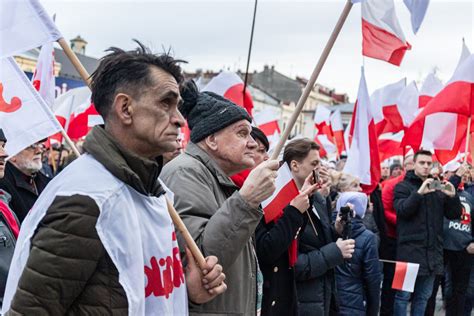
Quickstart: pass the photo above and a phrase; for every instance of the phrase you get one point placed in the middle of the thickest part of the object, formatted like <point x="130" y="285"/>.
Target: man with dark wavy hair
<point x="99" y="240"/>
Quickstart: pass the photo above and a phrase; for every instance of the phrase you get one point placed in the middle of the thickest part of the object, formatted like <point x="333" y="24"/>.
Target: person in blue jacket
<point x="358" y="279"/>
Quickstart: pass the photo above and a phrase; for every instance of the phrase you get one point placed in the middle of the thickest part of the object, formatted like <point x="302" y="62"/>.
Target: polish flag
<point x="390" y="145"/>
<point x="229" y="85"/>
<point x="267" y="121"/>
<point x="383" y="37"/>
<point x="322" y="121"/>
<point x="24" y="25"/>
<point x="384" y="108"/>
<point x="338" y="130"/>
<point x="442" y="123"/>
<point x="326" y="147"/>
<point x="76" y="113"/>
<point x="43" y="78"/>
<point x="417" y="10"/>
<point x="286" y="190"/>
<point x="431" y="87"/>
<point x="363" y="157"/>
<point x="407" y="104"/>
<point x="24" y="116"/>
<point x="405" y="276"/>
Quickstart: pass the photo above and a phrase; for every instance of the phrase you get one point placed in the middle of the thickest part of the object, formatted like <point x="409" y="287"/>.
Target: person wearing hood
<point x="358" y="279"/>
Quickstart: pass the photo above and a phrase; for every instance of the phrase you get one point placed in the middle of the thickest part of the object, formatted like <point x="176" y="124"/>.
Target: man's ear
<point x="122" y="108"/>
<point x="294" y="165"/>
<point x="211" y="142"/>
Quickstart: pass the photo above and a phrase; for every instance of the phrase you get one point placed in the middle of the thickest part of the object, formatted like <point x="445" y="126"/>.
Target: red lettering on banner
<point x="164" y="274"/>
<point x="14" y="105"/>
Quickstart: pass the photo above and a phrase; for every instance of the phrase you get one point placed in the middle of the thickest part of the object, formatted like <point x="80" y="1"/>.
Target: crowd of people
<point x="93" y="236"/>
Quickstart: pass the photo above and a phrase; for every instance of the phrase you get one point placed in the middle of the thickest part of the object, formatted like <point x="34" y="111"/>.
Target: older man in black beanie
<point x="220" y="217"/>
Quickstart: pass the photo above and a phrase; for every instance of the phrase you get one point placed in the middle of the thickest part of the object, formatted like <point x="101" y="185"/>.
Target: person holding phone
<point x="421" y="207"/>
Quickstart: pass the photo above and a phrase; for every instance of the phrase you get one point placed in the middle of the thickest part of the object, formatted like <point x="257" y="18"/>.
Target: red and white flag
<point x="363" y="157"/>
<point x="76" y="113"/>
<point x="384" y="108"/>
<point x="229" y="85"/>
<point x="405" y="276"/>
<point x="417" y="10"/>
<point x="24" y="25"/>
<point x="24" y="116"/>
<point x="407" y="104"/>
<point x="431" y="87"/>
<point x="326" y="147"/>
<point x="390" y="145"/>
<point x="286" y="190"/>
<point x="267" y="121"/>
<point x="382" y="35"/>
<point x="322" y="121"/>
<point x="442" y="123"/>
<point x="43" y="78"/>
<point x="338" y="130"/>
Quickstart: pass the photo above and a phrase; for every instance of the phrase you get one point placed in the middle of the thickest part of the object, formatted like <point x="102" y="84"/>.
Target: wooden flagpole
<point x="312" y="80"/>
<point x="177" y="221"/>
<point x="468" y="139"/>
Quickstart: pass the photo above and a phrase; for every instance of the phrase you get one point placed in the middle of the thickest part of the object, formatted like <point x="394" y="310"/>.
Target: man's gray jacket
<point x="221" y="222"/>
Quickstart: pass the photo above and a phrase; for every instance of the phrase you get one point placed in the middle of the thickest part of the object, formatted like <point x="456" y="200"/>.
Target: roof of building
<point x="68" y="70"/>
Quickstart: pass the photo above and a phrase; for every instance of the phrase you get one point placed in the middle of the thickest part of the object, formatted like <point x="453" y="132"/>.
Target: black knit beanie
<point x="207" y="112"/>
<point x="257" y="134"/>
<point x="2" y="136"/>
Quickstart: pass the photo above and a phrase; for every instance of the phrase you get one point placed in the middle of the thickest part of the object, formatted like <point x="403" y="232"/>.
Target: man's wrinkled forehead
<point x="241" y="125"/>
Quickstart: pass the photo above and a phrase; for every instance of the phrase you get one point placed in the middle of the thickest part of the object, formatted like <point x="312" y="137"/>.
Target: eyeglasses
<point x="36" y="146"/>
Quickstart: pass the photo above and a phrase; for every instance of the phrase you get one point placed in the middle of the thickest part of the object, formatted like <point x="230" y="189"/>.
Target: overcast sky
<point x="215" y="35"/>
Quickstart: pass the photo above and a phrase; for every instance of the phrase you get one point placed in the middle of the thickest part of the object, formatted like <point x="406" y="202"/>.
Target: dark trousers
<point x="388" y="250"/>
<point x="458" y="270"/>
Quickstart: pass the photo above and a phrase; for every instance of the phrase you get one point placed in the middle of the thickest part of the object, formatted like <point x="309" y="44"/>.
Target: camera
<point x="438" y="185"/>
<point x="346" y="214"/>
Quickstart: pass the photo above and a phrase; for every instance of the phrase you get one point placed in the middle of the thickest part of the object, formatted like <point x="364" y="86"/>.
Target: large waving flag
<point x="408" y="104"/>
<point x="338" y="131"/>
<point x="384" y="108"/>
<point x="229" y="85"/>
<point x="267" y="121"/>
<point x="24" y="116"/>
<point x="417" y="10"/>
<point x="24" y="25"/>
<point x="390" y="145"/>
<point x="431" y="87"/>
<point x="382" y="35"/>
<point x="322" y="120"/>
<point x="442" y="124"/>
<point x="43" y="78"/>
<point x="76" y="113"/>
<point x="363" y="157"/>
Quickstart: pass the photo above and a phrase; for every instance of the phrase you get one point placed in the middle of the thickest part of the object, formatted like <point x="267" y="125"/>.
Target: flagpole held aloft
<point x="75" y="61"/>
<point x="468" y="138"/>
<point x="312" y="80"/>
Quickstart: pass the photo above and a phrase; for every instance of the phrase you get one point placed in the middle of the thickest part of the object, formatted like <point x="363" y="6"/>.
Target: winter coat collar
<point x="413" y="178"/>
<point x="197" y="152"/>
<point x="138" y="172"/>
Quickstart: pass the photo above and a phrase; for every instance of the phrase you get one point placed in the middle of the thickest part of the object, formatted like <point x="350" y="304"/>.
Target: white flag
<point x="417" y="10"/>
<point x="24" y="24"/>
<point x="43" y="78"/>
<point x="24" y="116"/>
